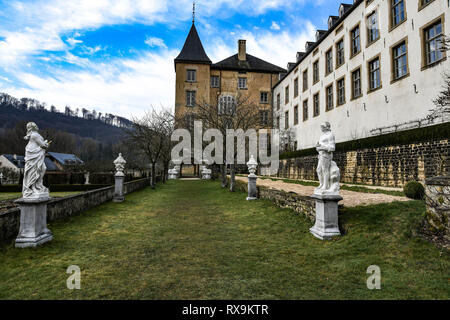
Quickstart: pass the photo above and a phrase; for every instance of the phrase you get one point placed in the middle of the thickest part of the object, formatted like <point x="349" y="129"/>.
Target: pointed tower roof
<point x="193" y="49"/>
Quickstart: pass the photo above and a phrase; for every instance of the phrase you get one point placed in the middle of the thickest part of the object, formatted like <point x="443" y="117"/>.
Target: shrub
<point x="414" y="190"/>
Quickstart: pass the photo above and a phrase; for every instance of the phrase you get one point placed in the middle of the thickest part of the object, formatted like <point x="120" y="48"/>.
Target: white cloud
<point x="125" y="87"/>
<point x="155" y="42"/>
<point x="274" y="26"/>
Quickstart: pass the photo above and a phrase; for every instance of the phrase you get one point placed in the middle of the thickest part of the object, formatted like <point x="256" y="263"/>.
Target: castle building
<point x="198" y="80"/>
<point x="377" y="69"/>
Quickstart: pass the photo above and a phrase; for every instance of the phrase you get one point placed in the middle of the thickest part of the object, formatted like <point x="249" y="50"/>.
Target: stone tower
<point x="192" y="68"/>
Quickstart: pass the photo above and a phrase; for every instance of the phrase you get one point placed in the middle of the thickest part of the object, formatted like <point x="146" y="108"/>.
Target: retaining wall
<point x="67" y="206"/>
<point x="301" y="204"/>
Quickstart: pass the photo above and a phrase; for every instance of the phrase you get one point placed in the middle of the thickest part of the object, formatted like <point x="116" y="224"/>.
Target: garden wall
<point x="383" y="166"/>
<point x="438" y="207"/>
<point x="301" y="204"/>
<point x="67" y="206"/>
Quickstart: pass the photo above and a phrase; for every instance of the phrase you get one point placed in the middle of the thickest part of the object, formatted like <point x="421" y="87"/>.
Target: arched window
<point x="227" y="105"/>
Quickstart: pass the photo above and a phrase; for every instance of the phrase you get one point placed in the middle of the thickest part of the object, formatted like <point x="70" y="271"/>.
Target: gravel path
<point x="351" y="198"/>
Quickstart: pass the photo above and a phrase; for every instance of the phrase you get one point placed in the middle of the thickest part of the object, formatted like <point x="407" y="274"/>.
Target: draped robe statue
<point x="327" y="170"/>
<point x="33" y="187"/>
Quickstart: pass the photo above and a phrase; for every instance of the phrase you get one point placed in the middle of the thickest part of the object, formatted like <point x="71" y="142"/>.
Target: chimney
<point x="242" y="56"/>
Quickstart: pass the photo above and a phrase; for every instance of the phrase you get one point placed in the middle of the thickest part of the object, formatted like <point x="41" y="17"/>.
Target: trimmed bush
<point x="414" y="190"/>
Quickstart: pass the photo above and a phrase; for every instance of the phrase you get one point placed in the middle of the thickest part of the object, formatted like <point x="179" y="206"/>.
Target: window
<point x="189" y="120"/>
<point x="264" y="117"/>
<point x="295" y="115"/>
<point x="374" y="74"/>
<point x="373" y="32"/>
<point x="227" y="105"/>
<point x="400" y="63"/>
<point x="305" y="80"/>
<point x="330" y="98"/>
<point x="305" y="110"/>
<point x="340" y="91"/>
<point x="424" y="3"/>
<point x="356" y="40"/>
<point x="329" y="61"/>
<point x="316" y="72"/>
<point x="397" y="12"/>
<point x="433" y="43"/>
<point x="340" y="58"/>
<point x="190" y="98"/>
<point x="215" y="83"/>
<point x="278" y="122"/>
<point x="286" y="95"/>
<point x="295" y="145"/>
<point x="242" y="83"/>
<point x="356" y="83"/>
<point x="295" y="87"/>
<point x="191" y="75"/>
<point x="316" y="105"/>
<point x="286" y="120"/>
<point x="264" y="97"/>
<point x="278" y="101"/>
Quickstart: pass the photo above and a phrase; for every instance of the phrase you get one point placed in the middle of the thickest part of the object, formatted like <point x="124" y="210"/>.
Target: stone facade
<point x="396" y="102"/>
<point x="385" y="166"/>
<point x="67" y="206"/>
<point x="438" y="205"/>
<point x="300" y="204"/>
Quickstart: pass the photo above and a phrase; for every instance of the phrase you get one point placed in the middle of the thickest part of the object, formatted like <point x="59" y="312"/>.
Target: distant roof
<point x="19" y="162"/>
<point x="64" y="158"/>
<point x="51" y="166"/>
<point x="251" y="64"/>
<point x="193" y="49"/>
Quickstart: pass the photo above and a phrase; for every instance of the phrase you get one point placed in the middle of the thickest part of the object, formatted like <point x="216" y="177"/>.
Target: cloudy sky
<point x="117" y="56"/>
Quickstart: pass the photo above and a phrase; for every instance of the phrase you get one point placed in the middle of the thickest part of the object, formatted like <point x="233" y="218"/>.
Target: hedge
<point x="56" y="187"/>
<point x="436" y="132"/>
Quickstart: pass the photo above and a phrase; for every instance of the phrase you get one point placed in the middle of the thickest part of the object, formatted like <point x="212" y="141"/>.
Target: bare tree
<point x="228" y="112"/>
<point x="152" y="134"/>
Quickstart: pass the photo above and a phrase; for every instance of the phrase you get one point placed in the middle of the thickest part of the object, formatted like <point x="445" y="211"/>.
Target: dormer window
<point x="341" y="11"/>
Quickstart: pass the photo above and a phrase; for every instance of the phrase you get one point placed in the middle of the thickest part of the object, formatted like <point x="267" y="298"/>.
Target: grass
<point x="194" y="240"/>
<point x="16" y="195"/>
<point x="361" y="188"/>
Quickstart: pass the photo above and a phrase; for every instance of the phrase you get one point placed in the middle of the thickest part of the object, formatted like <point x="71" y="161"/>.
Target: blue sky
<point x="117" y="55"/>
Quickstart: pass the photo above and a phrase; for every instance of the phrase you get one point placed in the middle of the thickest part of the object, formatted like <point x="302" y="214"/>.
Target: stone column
<point x="252" y="191"/>
<point x="326" y="225"/>
<point x="33" y="223"/>
<point x="119" y="179"/>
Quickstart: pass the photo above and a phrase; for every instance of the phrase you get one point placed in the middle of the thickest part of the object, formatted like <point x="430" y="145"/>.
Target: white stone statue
<point x="327" y="170"/>
<point x="35" y="168"/>
<point x="120" y="165"/>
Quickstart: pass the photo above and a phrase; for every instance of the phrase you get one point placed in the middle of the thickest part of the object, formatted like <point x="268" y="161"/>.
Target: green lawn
<point x="194" y="240"/>
<point x="16" y="195"/>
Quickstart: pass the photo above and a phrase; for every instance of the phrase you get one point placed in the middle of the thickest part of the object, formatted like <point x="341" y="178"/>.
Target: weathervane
<point x="193" y="12"/>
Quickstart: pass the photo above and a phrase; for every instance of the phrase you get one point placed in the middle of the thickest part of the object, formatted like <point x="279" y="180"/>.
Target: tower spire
<point x="193" y="12"/>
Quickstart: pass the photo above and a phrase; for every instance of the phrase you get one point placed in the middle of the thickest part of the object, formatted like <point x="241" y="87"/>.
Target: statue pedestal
<point x="252" y="191"/>
<point x="118" y="189"/>
<point x="326" y="225"/>
<point x="33" y="222"/>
